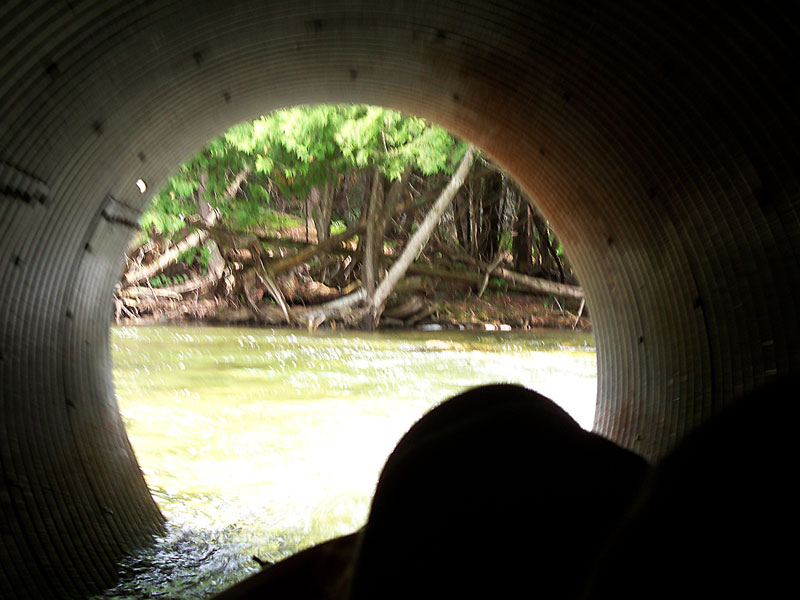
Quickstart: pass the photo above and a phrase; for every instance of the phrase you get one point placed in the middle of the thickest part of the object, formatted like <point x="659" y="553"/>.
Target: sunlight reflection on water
<point x="266" y="441"/>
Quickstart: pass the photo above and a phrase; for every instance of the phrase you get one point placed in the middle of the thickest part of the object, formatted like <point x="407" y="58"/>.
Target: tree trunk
<point x="374" y="237"/>
<point x="474" y="216"/>
<point x="320" y="203"/>
<point x="548" y="257"/>
<point x="461" y="219"/>
<point x="382" y="205"/>
<point x="492" y="193"/>
<point x="523" y="239"/>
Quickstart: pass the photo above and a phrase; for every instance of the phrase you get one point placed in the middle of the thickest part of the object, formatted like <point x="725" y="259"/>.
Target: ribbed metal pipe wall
<point x="660" y="139"/>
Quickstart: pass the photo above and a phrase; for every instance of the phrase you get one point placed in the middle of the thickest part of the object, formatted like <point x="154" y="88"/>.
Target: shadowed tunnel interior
<point x="659" y="138"/>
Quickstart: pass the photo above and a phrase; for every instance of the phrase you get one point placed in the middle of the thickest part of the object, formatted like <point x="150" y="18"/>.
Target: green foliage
<point x="294" y="148"/>
<point x="197" y="257"/>
<point x="275" y="221"/>
<point x="377" y="137"/>
<point x="163" y="280"/>
<point x="286" y="153"/>
<point x="166" y="214"/>
<point x="338" y="226"/>
<point x="506" y="241"/>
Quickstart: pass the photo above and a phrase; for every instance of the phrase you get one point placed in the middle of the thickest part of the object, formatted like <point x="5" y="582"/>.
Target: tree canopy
<point x="289" y="152"/>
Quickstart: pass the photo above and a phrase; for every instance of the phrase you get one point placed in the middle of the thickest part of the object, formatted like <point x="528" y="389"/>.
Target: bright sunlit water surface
<point x="264" y="442"/>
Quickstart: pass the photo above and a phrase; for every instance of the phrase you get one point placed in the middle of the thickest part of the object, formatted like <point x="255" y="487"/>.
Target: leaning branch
<point x="420" y="237"/>
<point x="162" y="262"/>
<point x="537" y="284"/>
<point x="284" y="264"/>
<point x="526" y="283"/>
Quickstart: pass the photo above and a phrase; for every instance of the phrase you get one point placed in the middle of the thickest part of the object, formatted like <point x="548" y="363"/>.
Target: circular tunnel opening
<point x="660" y="141"/>
<point x="261" y="433"/>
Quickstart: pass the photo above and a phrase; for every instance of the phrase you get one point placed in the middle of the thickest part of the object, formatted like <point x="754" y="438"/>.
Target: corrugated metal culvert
<point x="660" y="140"/>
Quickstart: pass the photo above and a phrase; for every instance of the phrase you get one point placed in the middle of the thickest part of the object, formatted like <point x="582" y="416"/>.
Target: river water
<point x="264" y="442"/>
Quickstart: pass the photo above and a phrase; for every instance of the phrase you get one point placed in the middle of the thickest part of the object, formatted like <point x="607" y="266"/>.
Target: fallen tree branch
<point x="580" y="312"/>
<point x="537" y="284"/>
<point x="314" y="315"/>
<point x="147" y="271"/>
<point x="335" y="308"/>
<point x="141" y="291"/>
<point x="523" y="282"/>
<point x="268" y="279"/>
<point x="284" y="264"/>
<point x="495" y="263"/>
<point x="261" y="314"/>
<point x="412" y="305"/>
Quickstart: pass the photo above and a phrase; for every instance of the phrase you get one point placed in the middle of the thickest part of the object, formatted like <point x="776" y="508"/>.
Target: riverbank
<point x="451" y="308"/>
<point x="284" y="277"/>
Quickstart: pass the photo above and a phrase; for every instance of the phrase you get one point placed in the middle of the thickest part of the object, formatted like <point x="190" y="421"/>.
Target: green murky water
<point x="263" y="442"/>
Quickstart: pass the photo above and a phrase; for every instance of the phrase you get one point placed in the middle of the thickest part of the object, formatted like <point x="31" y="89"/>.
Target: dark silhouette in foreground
<point x="718" y="517"/>
<point x="495" y="493"/>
